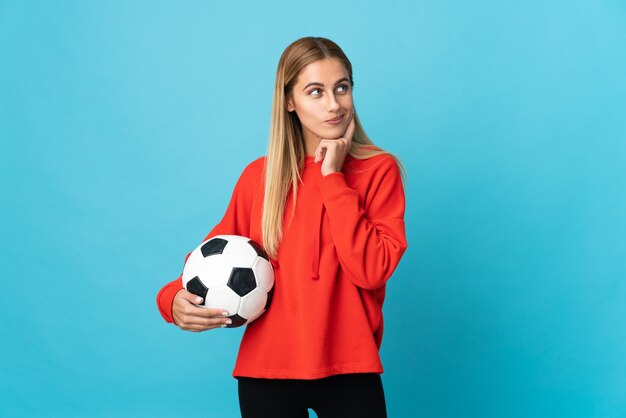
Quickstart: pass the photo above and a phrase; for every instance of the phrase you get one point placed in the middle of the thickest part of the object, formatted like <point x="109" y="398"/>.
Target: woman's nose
<point x="332" y="103"/>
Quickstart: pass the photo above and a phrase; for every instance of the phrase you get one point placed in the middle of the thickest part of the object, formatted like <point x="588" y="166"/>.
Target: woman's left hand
<point x="333" y="151"/>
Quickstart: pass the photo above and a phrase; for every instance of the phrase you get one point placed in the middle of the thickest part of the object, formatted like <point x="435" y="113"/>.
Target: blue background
<point x="125" y="125"/>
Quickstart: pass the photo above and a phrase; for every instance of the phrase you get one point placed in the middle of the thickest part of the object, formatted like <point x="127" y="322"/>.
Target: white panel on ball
<point x="214" y="271"/>
<point x="233" y="238"/>
<point x="252" y="303"/>
<point x="192" y="265"/>
<point x="223" y="298"/>
<point x="240" y="254"/>
<point x="261" y="312"/>
<point x="264" y="274"/>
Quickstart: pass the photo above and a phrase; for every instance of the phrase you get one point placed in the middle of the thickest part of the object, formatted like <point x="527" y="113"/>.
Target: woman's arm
<point x="236" y="221"/>
<point x="370" y="242"/>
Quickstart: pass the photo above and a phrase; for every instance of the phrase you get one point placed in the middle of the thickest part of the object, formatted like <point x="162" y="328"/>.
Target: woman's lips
<point x="335" y="121"/>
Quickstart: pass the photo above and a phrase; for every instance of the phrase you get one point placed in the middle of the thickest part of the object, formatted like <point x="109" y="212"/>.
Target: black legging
<point x="344" y="395"/>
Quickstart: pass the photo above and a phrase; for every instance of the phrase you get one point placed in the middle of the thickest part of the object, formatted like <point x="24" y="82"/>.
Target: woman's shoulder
<point x="250" y="180"/>
<point x="254" y="169"/>
<point x="383" y="161"/>
<point x="251" y="174"/>
<point x="256" y="166"/>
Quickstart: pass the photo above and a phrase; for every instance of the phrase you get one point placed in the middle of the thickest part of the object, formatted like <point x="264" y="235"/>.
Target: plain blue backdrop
<point x="125" y="125"/>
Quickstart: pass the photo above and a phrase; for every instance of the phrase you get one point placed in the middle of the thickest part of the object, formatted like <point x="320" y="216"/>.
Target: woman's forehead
<point x="328" y="71"/>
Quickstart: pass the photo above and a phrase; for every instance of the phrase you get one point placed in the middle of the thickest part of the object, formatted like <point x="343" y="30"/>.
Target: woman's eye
<point x="342" y="86"/>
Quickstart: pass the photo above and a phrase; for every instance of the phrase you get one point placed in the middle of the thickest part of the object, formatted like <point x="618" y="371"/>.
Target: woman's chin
<point x="332" y="132"/>
<point x="329" y="132"/>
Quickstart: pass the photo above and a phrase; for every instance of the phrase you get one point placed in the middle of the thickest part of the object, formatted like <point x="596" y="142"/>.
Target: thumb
<point x="190" y="297"/>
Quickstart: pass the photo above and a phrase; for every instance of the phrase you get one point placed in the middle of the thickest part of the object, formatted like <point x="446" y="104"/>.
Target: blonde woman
<point x="328" y="207"/>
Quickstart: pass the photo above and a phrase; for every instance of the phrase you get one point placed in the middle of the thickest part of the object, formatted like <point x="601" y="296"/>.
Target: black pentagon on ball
<point x="270" y="294"/>
<point x="259" y="250"/>
<point x="237" y="321"/>
<point x="213" y="246"/>
<point x="241" y="280"/>
<point x="196" y="287"/>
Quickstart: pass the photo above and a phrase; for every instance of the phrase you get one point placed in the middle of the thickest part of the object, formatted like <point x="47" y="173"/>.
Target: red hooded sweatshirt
<point x="343" y="243"/>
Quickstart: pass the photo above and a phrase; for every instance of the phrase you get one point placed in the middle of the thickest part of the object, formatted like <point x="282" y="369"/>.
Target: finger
<point x="320" y="153"/>
<point x="205" y="322"/>
<point x="205" y="312"/>
<point x="195" y="300"/>
<point x="200" y="328"/>
<point x="329" y="149"/>
<point x="330" y="145"/>
<point x="190" y="297"/>
<point x="350" y="130"/>
<point x="186" y="307"/>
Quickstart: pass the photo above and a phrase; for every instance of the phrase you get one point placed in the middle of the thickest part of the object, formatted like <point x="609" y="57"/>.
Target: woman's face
<point x="321" y="93"/>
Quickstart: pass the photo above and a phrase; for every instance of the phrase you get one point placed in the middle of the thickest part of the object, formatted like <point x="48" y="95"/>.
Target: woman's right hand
<point x="190" y="317"/>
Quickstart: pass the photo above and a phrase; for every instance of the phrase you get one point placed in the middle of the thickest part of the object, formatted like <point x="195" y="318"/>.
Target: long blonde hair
<point x="285" y="152"/>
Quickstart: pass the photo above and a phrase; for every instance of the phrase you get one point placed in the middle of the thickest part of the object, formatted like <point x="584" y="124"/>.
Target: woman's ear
<point x="289" y="103"/>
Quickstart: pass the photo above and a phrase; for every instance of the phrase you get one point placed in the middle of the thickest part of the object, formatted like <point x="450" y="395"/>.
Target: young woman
<point x="328" y="207"/>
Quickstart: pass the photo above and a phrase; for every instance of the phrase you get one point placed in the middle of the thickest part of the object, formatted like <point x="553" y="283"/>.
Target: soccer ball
<point x="233" y="273"/>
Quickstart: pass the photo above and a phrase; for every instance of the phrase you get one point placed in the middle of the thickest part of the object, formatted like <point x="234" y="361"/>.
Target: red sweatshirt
<point x="345" y="240"/>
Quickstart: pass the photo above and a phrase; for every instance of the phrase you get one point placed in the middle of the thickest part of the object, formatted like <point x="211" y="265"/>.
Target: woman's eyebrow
<point x="316" y="83"/>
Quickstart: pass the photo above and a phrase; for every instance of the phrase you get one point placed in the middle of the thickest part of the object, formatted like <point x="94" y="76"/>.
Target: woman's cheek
<point x="314" y="124"/>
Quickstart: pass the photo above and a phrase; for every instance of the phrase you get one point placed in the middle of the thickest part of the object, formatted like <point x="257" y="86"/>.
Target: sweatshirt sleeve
<point x="369" y="240"/>
<point x="236" y="221"/>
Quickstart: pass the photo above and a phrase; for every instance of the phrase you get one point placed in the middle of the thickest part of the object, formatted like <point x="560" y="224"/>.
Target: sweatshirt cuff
<point x="166" y="300"/>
